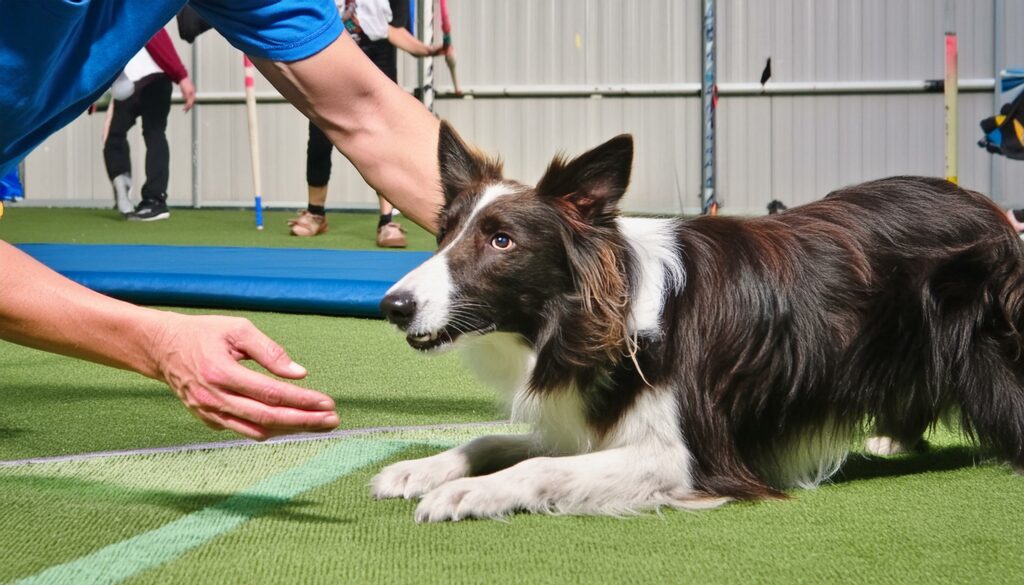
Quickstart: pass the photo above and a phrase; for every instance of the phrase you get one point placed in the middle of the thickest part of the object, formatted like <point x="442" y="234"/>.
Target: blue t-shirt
<point x="58" y="56"/>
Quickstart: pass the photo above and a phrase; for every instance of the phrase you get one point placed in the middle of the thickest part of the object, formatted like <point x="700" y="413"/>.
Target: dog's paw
<point x="411" y="479"/>
<point x="884" y="446"/>
<point x="472" y="497"/>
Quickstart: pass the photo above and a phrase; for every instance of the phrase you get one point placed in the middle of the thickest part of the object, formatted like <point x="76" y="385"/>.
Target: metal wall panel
<point x="794" y="148"/>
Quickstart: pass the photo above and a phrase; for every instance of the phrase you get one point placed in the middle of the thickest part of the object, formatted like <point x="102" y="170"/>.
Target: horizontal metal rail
<point x="786" y="88"/>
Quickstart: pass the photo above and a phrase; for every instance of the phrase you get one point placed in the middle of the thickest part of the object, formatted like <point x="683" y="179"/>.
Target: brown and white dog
<point x="685" y="363"/>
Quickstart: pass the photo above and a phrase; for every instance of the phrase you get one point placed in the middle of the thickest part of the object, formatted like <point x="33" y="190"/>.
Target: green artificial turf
<point x="301" y="512"/>
<point x="195" y="227"/>
<point x="255" y="515"/>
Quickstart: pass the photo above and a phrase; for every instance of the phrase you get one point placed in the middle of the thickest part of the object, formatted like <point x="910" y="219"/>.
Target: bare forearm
<point x="42" y="309"/>
<point x="388" y="135"/>
<point x="404" y="40"/>
<point x="197" y="356"/>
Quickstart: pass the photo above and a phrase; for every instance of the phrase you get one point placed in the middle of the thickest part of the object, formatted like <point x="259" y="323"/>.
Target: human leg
<point x="155" y="106"/>
<point x="117" y="153"/>
<point x="312" y="221"/>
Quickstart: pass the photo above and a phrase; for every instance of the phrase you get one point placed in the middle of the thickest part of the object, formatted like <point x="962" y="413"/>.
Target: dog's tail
<point x="976" y="300"/>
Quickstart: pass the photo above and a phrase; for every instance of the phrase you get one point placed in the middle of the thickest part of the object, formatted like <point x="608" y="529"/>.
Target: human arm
<point x="403" y="39"/>
<point x="161" y="48"/>
<point x="387" y="134"/>
<point x="197" y="356"/>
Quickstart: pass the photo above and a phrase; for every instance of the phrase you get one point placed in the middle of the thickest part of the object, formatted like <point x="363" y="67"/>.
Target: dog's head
<point x="512" y="257"/>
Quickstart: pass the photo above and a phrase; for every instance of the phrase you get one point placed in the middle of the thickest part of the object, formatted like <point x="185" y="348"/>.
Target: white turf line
<point x="298" y="438"/>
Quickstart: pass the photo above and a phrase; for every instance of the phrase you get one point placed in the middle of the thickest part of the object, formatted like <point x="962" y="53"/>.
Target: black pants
<point x="151" y="101"/>
<point x="318" y="157"/>
<point x="318" y="149"/>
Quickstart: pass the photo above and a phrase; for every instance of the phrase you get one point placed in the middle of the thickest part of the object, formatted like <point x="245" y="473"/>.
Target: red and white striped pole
<point x="951" y="86"/>
<point x="254" y="138"/>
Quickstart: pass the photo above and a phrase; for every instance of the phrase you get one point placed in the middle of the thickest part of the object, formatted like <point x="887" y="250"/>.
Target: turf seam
<point x="298" y="438"/>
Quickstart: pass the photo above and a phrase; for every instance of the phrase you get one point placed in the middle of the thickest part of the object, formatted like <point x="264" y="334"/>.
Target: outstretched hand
<point x="197" y="356"/>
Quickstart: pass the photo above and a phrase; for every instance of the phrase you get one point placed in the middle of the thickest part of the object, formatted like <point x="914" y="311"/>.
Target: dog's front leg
<point x="413" y="478"/>
<point x="616" y="481"/>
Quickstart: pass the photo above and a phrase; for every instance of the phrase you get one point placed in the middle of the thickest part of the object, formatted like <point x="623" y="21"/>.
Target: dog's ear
<point x="463" y="169"/>
<point x="590" y="186"/>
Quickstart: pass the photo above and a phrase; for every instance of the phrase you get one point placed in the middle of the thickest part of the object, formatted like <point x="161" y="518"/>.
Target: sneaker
<point x="390" y="235"/>
<point x="307" y="224"/>
<point x="122" y="188"/>
<point x="150" y="210"/>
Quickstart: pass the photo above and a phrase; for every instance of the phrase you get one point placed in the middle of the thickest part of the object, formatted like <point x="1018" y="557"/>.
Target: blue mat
<point x="326" y="282"/>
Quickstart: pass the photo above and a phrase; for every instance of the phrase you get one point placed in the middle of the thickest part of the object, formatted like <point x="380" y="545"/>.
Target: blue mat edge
<point x="335" y="297"/>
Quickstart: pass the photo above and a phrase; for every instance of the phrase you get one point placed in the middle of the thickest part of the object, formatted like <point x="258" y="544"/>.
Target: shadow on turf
<point x="863" y="467"/>
<point x="70" y="490"/>
<point x="29" y="393"/>
<point x="10" y="433"/>
<point x="465" y="408"/>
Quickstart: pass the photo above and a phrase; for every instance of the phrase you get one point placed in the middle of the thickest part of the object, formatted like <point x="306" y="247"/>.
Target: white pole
<point x="254" y="138"/>
<point x="196" y="198"/>
<point x="425" y="68"/>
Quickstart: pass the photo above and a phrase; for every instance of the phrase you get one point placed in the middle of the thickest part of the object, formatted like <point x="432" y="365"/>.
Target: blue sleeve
<point x="279" y="30"/>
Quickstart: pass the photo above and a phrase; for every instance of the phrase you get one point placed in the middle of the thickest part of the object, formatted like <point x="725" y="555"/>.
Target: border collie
<point x="686" y="363"/>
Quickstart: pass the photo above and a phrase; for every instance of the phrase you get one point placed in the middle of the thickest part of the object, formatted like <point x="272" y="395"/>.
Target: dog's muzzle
<point x="399" y="308"/>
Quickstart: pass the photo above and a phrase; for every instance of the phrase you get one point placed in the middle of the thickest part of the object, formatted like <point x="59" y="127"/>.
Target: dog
<point x="688" y="362"/>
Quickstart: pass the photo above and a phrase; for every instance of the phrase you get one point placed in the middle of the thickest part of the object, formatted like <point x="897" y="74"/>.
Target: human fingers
<point x="241" y="380"/>
<point x="276" y="419"/>
<point x="265" y="351"/>
<point x="222" y="421"/>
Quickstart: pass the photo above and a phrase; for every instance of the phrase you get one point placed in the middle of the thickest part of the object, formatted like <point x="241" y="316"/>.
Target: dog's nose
<point x="399" y="308"/>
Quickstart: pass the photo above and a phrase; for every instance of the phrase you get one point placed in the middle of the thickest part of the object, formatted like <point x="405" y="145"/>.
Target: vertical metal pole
<point x="952" y="79"/>
<point x="196" y="200"/>
<point x="998" y="41"/>
<point x="709" y="99"/>
<point x="425" y="67"/>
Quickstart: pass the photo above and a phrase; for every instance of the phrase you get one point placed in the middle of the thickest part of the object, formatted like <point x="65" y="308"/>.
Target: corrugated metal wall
<point x="793" y="148"/>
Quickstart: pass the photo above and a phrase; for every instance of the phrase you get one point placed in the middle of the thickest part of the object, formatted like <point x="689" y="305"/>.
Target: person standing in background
<point x="144" y="90"/>
<point x="379" y="28"/>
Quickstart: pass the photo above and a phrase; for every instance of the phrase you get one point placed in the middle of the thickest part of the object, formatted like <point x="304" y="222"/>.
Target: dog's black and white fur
<point x="685" y="363"/>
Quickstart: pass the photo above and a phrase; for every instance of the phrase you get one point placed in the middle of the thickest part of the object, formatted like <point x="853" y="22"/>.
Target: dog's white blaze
<point x="431" y="282"/>
<point x="431" y="286"/>
<point x="654" y="244"/>
<point x="491" y="194"/>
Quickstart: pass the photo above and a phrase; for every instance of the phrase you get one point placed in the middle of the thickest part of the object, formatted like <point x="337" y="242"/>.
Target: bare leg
<point x="388" y="135"/>
<point x="318" y="195"/>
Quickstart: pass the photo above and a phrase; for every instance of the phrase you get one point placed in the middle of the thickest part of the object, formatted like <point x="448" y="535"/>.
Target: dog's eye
<point x="502" y="242"/>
